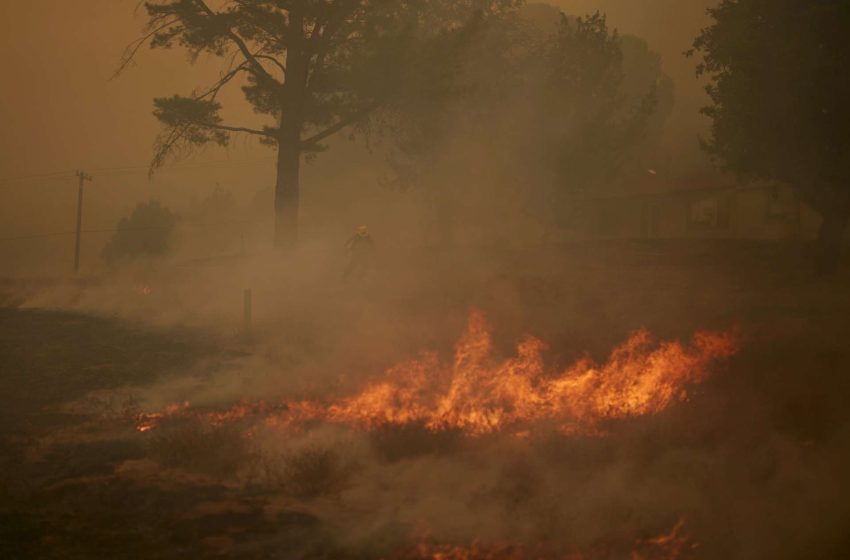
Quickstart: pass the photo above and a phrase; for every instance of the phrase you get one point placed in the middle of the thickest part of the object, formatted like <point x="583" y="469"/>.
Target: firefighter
<point x="359" y="249"/>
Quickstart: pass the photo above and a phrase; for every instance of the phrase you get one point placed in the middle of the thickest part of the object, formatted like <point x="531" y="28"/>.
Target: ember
<point x="147" y="421"/>
<point x="675" y="545"/>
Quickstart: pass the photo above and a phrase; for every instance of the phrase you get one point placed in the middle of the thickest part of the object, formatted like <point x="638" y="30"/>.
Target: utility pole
<point x="83" y="178"/>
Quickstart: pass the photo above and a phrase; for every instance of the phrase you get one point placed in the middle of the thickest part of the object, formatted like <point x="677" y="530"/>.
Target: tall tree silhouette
<point x="312" y="67"/>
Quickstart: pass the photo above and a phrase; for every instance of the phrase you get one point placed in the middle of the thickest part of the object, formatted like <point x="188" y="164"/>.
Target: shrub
<point x="147" y="231"/>
<point x="189" y="444"/>
<point x="309" y="472"/>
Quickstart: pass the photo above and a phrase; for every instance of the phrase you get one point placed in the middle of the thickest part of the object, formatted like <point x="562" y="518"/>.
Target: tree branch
<point x="237" y="40"/>
<point x="267" y="133"/>
<point x="130" y="51"/>
<point x="310" y="143"/>
<point x="163" y="147"/>
<point x="171" y="139"/>
<point x="319" y="42"/>
<point x="214" y="89"/>
<point x="273" y="60"/>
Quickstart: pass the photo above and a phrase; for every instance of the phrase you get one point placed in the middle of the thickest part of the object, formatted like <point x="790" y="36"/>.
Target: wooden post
<point x="83" y="178"/>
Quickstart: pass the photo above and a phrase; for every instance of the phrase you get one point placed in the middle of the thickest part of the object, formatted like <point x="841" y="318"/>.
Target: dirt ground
<point x="756" y="461"/>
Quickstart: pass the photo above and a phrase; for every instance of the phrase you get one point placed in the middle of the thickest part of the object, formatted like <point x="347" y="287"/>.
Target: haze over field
<point x="424" y="280"/>
<point x="67" y="113"/>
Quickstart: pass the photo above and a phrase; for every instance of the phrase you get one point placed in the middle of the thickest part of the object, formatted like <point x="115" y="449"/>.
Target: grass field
<point x="756" y="460"/>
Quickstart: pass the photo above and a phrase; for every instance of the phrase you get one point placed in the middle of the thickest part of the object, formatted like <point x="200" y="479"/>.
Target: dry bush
<point x="397" y="442"/>
<point x="307" y="472"/>
<point x="189" y="444"/>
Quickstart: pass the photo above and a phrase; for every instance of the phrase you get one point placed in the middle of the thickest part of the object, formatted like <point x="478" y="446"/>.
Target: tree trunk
<point x="287" y="196"/>
<point x="830" y="241"/>
<point x="288" y="190"/>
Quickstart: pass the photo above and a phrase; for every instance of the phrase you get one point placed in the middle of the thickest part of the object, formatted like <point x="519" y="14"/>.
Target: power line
<point x="55" y="175"/>
<point x="113" y="230"/>
<point x="194" y="165"/>
<point x="132" y="169"/>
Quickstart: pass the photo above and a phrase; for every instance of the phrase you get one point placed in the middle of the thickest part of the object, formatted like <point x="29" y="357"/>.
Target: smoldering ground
<point x="753" y="461"/>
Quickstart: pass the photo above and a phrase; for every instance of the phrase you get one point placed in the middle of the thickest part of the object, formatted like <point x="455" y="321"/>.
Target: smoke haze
<point x="170" y="379"/>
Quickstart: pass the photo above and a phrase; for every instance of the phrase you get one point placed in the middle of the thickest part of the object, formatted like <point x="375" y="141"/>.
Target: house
<point x="705" y="207"/>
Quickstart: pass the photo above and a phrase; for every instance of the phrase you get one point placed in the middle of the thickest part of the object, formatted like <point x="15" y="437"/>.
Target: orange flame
<point x="150" y="420"/>
<point x="147" y="421"/>
<point x="479" y="395"/>
<point x="675" y="545"/>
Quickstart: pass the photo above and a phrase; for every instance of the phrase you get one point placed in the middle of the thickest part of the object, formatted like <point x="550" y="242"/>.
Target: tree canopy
<point x="566" y="100"/>
<point x="146" y="232"/>
<point x="562" y="105"/>
<point x="779" y="84"/>
<point x="310" y="67"/>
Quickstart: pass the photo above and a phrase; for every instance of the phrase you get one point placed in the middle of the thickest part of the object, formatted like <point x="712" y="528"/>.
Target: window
<point x="705" y="213"/>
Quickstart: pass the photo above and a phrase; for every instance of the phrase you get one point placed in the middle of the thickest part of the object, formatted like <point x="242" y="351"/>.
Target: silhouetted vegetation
<point x="567" y="103"/>
<point x="312" y="68"/>
<point x="780" y="84"/>
<point x="146" y="232"/>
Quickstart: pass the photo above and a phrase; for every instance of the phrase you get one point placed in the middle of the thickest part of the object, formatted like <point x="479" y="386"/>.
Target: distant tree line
<point x="564" y="100"/>
<point x="559" y="105"/>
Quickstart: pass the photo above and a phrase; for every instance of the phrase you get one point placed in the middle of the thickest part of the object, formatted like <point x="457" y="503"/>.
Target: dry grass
<point x="309" y="472"/>
<point x="188" y="444"/>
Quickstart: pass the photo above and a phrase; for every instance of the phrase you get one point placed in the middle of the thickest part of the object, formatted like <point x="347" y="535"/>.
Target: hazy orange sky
<point x="62" y="111"/>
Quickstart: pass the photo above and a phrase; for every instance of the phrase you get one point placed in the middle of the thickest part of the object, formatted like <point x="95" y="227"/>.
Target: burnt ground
<point x="772" y="432"/>
<point x="65" y="497"/>
<point x="64" y="504"/>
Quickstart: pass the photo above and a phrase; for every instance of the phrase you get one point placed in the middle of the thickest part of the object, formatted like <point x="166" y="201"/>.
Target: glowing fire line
<point x="478" y="395"/>
<point x="677" y="544"/>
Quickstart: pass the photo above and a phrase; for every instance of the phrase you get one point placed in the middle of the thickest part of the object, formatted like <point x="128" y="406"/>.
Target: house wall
<point x="762" y="212"/>
<point x="766" y="213"/>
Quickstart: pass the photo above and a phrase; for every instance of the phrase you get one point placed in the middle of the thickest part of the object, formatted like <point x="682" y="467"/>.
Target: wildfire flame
<point x="675" y="545"/>
<point x="478" y="394"/>
<point x="147" y="421"/>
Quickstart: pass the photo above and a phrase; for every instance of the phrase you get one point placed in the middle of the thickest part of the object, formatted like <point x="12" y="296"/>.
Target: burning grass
<point x="745" y="462"/>
<point x="477" y="394"/>
<point x="311" y="471"/>
<point x="675" y="544"/>
<point x="453" y="418"/>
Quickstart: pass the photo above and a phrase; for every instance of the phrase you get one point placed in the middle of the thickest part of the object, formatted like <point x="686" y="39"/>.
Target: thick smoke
<point x="753" y="461"/>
